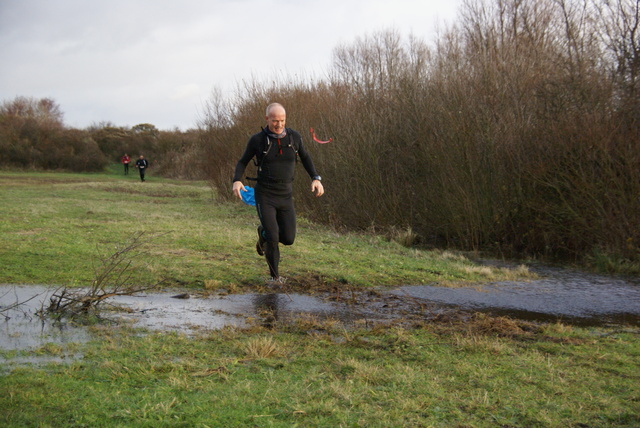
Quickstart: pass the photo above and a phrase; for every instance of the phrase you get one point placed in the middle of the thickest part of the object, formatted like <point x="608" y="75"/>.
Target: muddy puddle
<point x="21" y="327"/>
<point x="559" y="295"/>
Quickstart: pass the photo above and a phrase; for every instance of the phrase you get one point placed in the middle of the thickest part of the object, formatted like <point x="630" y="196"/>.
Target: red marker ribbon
<point x="313" y="135"/>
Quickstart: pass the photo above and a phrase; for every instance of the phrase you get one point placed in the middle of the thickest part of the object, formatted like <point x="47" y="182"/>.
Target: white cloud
<point x="134" y="61"/>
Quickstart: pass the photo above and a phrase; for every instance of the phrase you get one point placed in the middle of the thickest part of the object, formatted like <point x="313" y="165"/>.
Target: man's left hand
<point x="317" y="188"/>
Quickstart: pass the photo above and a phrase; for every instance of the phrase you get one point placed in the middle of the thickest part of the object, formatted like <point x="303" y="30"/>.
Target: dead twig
<point x="112" y="278"/>
<point x="13" y="306"/>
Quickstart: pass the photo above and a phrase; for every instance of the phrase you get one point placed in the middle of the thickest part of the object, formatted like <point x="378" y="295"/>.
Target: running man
<point x="142" y="164"/>
<point x="276" y="149"/>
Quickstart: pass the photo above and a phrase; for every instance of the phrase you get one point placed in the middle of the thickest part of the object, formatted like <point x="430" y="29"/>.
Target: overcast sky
<point x="157" y="61"/>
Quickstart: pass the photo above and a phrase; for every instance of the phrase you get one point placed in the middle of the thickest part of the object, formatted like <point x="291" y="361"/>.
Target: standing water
<point x="560" y="295"/>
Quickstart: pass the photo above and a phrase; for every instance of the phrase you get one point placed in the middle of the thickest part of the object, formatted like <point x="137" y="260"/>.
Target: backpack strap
<point x="258" y="160"/>
<point x="294" y="143"/>
<point x="266" y="146"/>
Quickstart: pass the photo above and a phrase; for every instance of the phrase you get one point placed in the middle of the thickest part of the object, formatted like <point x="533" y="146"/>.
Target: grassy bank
<point x="474" y="371"/>
<point x="55" y="228"/>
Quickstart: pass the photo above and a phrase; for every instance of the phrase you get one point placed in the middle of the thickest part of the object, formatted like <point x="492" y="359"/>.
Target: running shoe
<point x="281" y="280"/>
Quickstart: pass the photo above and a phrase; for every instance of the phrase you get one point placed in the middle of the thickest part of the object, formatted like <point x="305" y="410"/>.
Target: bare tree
<point x="620" y="32"/>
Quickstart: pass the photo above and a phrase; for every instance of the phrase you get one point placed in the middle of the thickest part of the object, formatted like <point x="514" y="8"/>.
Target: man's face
<point x="276" y="119"/>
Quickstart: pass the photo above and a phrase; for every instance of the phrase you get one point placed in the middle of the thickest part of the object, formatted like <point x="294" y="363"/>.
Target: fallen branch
<point x="112" y="279"/>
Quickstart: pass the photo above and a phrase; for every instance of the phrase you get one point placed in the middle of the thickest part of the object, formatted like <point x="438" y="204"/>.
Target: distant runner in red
<point x="125" y="161"/>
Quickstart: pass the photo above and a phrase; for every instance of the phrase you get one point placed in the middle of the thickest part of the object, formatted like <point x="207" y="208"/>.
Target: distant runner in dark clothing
<point x="142" y="164"/>
<point x="125" y="161"/>
<point x="275" y="149"/>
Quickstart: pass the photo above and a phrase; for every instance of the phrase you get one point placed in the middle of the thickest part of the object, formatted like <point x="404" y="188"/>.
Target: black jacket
<point x="276" y="159"/>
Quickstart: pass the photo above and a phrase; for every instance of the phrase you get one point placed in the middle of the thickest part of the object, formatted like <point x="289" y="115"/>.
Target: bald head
<point x="276" y="118"/>
<point x="274" y="106"/>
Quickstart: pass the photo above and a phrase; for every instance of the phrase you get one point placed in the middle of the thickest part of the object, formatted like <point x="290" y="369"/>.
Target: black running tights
<point x="278" y="218"/>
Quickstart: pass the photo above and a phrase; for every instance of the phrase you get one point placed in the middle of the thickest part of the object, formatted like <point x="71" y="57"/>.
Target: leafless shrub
<point x="32" y="135"/>
<point x="517" y="130"/>
<point x="112" y="278"/>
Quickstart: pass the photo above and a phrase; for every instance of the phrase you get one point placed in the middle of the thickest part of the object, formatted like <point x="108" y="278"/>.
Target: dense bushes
<point x="171" y="153"/>
<point x="517" y="131"/>
<point x="32" y="135"/>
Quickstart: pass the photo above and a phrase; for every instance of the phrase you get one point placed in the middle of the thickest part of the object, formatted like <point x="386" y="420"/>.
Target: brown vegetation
<point x="517" y="131"/>
<point x="32" y="135"/>
<point x="173" y="153"/>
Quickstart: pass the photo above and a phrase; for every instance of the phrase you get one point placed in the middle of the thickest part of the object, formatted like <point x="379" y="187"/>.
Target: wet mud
<point x="559" y="295"/>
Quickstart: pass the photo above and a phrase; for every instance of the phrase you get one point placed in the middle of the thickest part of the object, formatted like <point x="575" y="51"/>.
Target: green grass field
<point x="55" y="228"/>
<point x="477" y="372"/>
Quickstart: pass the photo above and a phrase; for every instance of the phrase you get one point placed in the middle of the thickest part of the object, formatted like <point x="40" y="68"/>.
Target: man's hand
<point x="317" y="188"/>
<point x="237" y="188"/>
